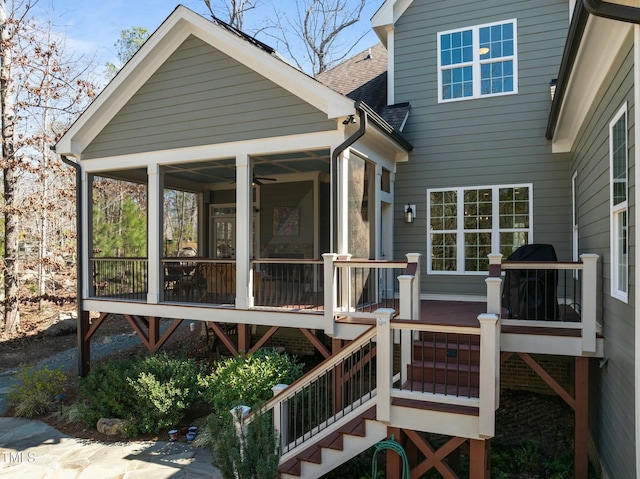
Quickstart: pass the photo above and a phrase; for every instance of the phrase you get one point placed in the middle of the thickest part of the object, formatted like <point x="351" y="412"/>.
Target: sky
<point x="92" y="27"/>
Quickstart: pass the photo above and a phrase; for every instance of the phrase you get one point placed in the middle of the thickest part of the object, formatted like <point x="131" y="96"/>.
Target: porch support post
<point x="244" y="207"/>
<point x="494" y="282"/>
<point x="489" y="373"/>
<point x="479" y="452"/>
<point x="84" y="356"/>
<point x="87" y="238"/>
<point x="394" y="465"/>
<point x="581" y="452"/>
<point x="330" y="292"/>
<point x="244" y="338"/>
<point x="343" y="204"/>
<point x="280" y="415"/>
<point x="154" y="234"/>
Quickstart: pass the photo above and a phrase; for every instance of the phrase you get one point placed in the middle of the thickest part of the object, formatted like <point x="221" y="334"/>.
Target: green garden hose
<point x="391" y="444"/>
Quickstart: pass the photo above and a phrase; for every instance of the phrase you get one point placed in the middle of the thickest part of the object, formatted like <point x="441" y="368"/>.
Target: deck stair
<point x="347" y="440"/>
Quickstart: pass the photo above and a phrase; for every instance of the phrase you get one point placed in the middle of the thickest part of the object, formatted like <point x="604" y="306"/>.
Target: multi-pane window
<point x="468" y="224"/>
<point x="619" y="205"/>
<point x="477" y="61"/>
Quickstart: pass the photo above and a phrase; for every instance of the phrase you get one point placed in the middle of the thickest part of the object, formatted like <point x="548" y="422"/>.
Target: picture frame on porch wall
<point x="286" y="221"/>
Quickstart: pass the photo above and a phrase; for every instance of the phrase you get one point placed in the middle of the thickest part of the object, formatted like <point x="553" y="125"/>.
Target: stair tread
<point x="311" y="454"/>
<point x="449" y="390"/>
<point x="332" y="441"/>
<point x="292" y="467"/>
<point x="435" y="406"/>
<point x="444" y="345"/>
<point x="430" y="364"/>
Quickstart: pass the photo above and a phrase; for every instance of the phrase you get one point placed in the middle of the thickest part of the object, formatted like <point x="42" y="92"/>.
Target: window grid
<point x="477" y="61"/>
<point x="488" y="219"/>
<point x="618" y="152"/>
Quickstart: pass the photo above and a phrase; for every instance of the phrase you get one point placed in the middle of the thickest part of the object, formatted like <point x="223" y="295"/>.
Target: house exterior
<point x="372" y="211"/>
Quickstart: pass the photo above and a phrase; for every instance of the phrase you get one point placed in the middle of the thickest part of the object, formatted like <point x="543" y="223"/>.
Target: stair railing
<point x="327" y="393"/>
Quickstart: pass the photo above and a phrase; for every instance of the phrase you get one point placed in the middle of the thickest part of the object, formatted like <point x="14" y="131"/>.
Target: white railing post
<point x="494" y="283"/>
<point x="345" y="284"/>
<point x="415" y="259"/>
<point x="239" y="414"/>
<point x="280" y="415"/>
<point x="589" y="301"/>
<point x="489" y="373"/>
<point x="330" y="292"/>
<point x="384" y="367"/>
<point x="406" y="312"/>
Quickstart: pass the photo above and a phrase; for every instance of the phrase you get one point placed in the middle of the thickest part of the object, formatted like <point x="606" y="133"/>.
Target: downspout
<point x="334" y="170"/>
<point x="81" y="323"/>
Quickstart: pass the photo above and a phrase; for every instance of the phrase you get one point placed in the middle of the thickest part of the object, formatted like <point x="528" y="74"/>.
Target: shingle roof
<point x="364" y="77"/>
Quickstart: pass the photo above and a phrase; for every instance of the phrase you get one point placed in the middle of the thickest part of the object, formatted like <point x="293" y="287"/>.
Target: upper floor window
<point x="467" y="224"/>
<point x="478" y="61"/>
<point x="619" y="205"/>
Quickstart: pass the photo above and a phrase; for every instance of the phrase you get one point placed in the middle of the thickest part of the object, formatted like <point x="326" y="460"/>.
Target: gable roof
<point x="182" y="23"/>
<point x="363" y="78"/>
<point x="387" y="15"/>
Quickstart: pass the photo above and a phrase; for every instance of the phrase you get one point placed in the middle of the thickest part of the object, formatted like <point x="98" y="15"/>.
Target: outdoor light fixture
<point x="552" y="87"/>
<point x="409" y="213"/>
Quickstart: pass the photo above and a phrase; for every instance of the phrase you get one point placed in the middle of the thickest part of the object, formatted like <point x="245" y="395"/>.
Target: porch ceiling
<point x="223" y="170"/>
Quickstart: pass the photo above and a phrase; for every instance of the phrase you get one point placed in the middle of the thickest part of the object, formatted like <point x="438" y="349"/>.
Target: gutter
<point x="597" y="8"/>
<point x="81" y="323"/>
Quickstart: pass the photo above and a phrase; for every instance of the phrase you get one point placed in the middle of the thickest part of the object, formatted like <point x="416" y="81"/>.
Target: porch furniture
<point x="218" y="281"/>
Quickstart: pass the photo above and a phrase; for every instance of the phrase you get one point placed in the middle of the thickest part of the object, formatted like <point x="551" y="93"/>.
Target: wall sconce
<point x="552" y="87"/>
<point x="409" y="213"/>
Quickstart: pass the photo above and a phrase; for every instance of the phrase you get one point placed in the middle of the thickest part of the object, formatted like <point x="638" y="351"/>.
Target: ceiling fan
<point x="258" y="180"/>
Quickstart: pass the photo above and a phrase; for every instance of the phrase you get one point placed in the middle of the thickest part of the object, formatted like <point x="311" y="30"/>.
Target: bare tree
<point x="318" y="27"/>
<point x="235" y="10"/>
<point x="42" y="91"/>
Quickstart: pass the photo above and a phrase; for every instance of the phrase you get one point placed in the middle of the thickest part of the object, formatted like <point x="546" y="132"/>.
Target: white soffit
<point x="161" y="45"/>
<point x="601" y="42"/>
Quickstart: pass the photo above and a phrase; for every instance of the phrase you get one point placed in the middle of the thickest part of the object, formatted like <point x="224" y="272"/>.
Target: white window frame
<point x="618" y="290"/>
<point x="477" y="62"/>
<point x="460" y="230"/>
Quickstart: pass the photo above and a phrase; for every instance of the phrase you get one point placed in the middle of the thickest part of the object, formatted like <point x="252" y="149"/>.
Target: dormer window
<point x="477" y="61"/>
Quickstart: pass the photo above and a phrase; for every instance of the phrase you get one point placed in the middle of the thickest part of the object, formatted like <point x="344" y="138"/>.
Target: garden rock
<point x="110" y="427"/>
<point x="66" y="326"/>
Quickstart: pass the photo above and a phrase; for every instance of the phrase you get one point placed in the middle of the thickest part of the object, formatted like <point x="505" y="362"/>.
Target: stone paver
<point x="33" y="450"/>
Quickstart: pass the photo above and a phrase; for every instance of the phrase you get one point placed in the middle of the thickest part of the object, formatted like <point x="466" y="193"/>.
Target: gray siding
<point x="612" y="387"/>
<point x="478" y="142"/>
<point x="200" y="96"/>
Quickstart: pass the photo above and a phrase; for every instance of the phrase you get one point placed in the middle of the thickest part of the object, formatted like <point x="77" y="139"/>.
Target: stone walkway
<point x="32" y="449"/>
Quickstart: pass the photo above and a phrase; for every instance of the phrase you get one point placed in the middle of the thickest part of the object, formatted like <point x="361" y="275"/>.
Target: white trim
<point x="391" y="68"/>
<point x="387" y="15"/>
<point x="593" y="63"/>
<point x="476" y="62"/>
<point x="617" y="210"/>
<point x="636" y="242"/>
<point x="266" y="146"/>
<point x="161" y="45"/>
<point x="495" y="229"/>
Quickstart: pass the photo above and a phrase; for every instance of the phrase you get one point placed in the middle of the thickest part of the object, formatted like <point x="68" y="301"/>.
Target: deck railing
<point x="293" y="284"/>
<point x="119" y="278"/>
<point x="554" y="294"/>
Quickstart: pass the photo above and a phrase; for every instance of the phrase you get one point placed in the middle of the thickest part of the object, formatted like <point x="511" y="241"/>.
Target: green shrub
<point x="35" y="390"/>
<point x="256" y="456"/>
<point x="151" y="393"/>
<point x="248" y="380"/>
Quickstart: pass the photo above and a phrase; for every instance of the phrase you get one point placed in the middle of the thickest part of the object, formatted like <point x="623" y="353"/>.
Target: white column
<point x="87" y="228"/>
<point x="280" y="415"/>
<point x="494" y="284"/>
<point x="415" y="258"/>
<point x="155" y="192"/>
<point x="391" y="66"/>
<point x="330" y="292"/>
<point x="489" y="373"/>
<point x="244" y="207"/>
<point x="384" y="367"/>
<point x="345" y="285"/>
<point x="406" y="312"/>
<point x="377" y="217"/>
<point x="343" y="203"/>
<point x="636" y="240"/>
<point x="589" y="301"/>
